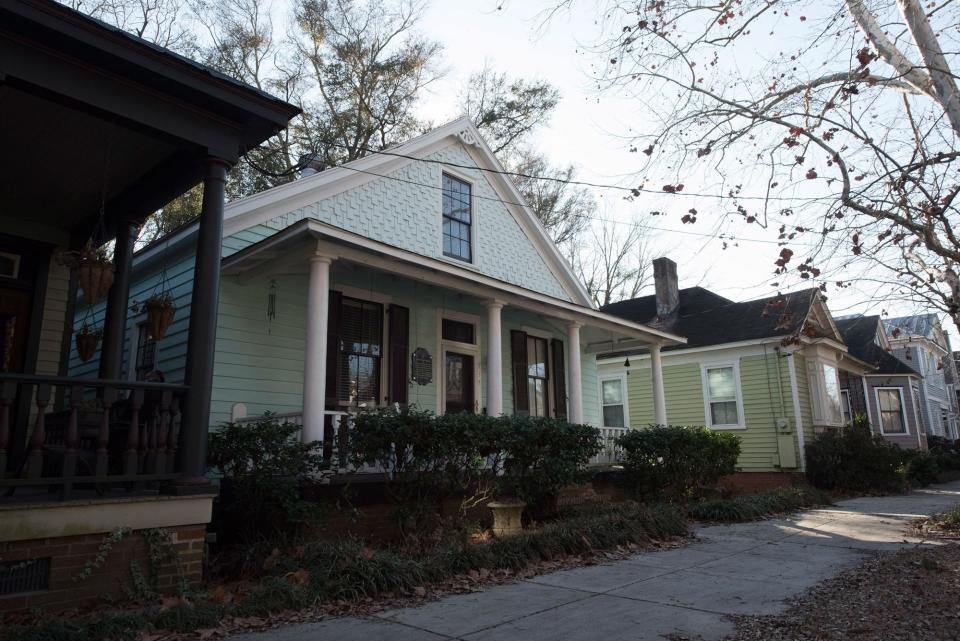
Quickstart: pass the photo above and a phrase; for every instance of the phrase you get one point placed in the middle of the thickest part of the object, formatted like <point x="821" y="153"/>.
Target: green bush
<point x="676" y="462"/>
<point x="542" y="455"/>
<point x="853" y="459"/>
<point x="750" y="507"/>
<point x="921" y="468"/>
<point x="263" y="467"/>
<point x="472" y="456"/>
<point x="945" y="452"/>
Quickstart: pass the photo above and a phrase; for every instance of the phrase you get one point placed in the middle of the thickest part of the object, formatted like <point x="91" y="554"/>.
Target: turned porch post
<point x="659" y="400"/>
<point x="115" y="316"/>
<point x="494" y="359"/>
<point x="203" y="326"/>
<point x="576" y="381"/>
<point x="315" y="360"/>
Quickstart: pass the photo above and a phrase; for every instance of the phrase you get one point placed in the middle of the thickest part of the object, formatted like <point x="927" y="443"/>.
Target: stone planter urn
<point x="507" y="517"/>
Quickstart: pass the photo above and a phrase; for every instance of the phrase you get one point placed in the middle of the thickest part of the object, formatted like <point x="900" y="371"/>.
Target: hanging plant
<point x="87" y="340"/>
<point x="160" y="312"/>
<point x="94" y="271"/>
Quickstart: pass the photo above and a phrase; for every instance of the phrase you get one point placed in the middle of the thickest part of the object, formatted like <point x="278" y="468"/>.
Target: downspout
<point x="916" y="418"/>
<point x="798" y="420"/>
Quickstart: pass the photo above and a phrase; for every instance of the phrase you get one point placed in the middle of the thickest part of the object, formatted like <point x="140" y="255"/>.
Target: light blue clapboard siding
<point x="260" y="362"/>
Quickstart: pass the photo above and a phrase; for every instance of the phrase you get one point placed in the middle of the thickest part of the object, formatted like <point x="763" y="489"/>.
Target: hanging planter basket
<point x="87" y="341"/>
<point x="160" y="312"/>
<point x="94" y="271"/>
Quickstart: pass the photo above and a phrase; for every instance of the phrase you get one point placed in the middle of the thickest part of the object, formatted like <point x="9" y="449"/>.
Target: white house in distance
<point x="413" y="276"/>
<point x="920" y="342"/>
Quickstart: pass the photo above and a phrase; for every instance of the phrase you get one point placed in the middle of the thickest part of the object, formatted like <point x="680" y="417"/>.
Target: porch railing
<point x="611" y="453"/>
<point x="336" y="439"/>
<point x="59" y="435"/>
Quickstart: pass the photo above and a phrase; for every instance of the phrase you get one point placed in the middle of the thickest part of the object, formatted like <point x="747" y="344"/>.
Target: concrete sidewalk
<point x="748" y="568"/>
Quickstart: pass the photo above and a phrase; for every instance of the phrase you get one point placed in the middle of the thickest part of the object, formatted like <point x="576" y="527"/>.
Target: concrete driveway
<point x="748" y="568"/>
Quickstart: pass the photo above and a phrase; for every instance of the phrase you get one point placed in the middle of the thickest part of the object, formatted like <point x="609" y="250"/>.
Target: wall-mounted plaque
<point x="422" y="366"/>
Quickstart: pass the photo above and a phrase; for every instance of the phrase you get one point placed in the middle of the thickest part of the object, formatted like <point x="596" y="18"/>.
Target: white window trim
<point x="626" y="404"/>
<point x="707" y="415"/>
<point x="818" y="391"/>
<point x="903" y="410"/>
<point x="474" y="261"/>
<point x="472" y="349"/>
<point x="16" y="264"/>
<point x="845" y="399"/>
<point x="133" y="343"/>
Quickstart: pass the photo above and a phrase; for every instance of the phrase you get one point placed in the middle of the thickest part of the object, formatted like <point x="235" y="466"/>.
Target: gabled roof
<point x="706" y="318"/>
<point x="264" y="206"/>
<point x="860" y="333"/>
<point x="917" y="325"/>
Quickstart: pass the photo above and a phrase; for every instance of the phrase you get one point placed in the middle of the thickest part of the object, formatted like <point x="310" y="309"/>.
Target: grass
<point x="327" y="571"/>
<point x="750" y="507"/>
<point x="952" y="518"/>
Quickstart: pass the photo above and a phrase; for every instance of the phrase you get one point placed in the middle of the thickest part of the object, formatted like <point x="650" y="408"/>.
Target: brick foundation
<point x="750" y="482"/>
<point x="69" y="554"/>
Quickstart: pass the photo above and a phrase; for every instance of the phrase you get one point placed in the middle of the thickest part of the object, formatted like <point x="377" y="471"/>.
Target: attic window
<point x="457" y="219"/>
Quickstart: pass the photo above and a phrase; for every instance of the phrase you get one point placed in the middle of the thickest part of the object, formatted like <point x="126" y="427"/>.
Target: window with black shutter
<point x="361" y="351"/>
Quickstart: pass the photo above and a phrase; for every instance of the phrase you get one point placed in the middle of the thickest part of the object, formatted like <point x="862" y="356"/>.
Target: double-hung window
<point x="721" y="387"/>
<point x="890" y="404"/>
<point x="457" y="219"/>
<point x="361" y="350"/>
<point x="537" y="375"/>
<point x="845" y="406"/>
<point x="612" y="392"/>
<point x="146" y="352"/>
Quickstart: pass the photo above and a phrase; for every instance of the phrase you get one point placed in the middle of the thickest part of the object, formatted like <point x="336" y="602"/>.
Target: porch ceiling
<point x="290" y="249"/>
<point x="95" y="116"/>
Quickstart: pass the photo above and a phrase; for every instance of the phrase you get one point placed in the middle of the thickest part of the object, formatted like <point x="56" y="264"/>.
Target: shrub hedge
<point x="676" y="462"/>
<point x="471" y="455"/>
<point x="750" y="507"/>
<point x="263" y="467"/>
<point x="853" y="459"/>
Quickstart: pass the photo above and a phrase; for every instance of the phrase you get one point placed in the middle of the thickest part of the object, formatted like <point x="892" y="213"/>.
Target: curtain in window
<point x="613" y="415"/>
<point x="891" y="411"/>
<point x="722" y="388"/>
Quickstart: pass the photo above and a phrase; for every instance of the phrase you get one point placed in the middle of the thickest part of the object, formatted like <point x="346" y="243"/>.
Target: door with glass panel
<point x="458" y="383"/>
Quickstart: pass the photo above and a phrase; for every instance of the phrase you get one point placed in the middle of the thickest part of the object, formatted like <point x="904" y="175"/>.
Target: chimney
<point x="665" y="282"/>
<point x="310" y="164"/>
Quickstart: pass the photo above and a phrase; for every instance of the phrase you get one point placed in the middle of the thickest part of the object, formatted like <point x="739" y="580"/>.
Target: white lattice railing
<point x="336" y="426"/>
<point x="610" y="454"/>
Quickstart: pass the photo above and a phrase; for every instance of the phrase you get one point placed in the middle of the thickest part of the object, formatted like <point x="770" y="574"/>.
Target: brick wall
<point x="750" y="482"/>
<point x="69" y="554"/>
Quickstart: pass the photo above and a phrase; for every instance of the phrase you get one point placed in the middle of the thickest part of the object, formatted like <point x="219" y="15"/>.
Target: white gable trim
<point x="260" y="208"/>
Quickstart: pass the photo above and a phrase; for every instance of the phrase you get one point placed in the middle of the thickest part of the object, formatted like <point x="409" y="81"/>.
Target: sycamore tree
<point x="833" y="124"/>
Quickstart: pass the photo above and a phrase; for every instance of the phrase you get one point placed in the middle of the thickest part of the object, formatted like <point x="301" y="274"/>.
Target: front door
<point x="458" y="380"/>
<point x="14" y="325"/>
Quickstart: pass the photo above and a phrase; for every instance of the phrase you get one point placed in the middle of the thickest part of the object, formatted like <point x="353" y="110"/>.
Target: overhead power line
<point x="718" y="236"/>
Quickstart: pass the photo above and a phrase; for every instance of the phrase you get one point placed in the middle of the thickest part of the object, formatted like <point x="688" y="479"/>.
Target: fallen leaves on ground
<point x="910" y="595"/>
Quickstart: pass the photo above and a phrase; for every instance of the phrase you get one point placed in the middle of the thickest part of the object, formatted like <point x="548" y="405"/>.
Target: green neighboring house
<point x="764" y="369"/>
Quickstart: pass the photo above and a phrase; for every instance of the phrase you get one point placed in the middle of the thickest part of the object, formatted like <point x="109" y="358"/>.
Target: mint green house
<point x="767" y="370"/>
<point x="416" y="276"/>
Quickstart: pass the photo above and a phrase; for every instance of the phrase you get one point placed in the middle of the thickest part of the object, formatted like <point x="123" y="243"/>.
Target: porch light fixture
<point x="626" y="365"/>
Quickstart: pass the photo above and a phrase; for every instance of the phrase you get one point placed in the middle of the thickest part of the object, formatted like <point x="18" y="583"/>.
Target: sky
<point x="586" y="130"/>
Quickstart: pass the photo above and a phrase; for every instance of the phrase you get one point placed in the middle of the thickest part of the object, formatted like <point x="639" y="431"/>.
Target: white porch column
<point x="494" y="359"/>
<point x="315" y="359"/>
<point x="659" y="400"/>
<point x="575" y="371"/>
